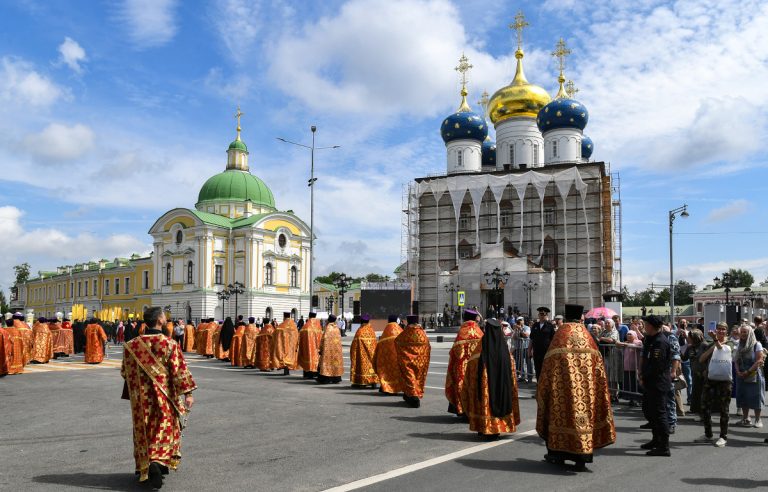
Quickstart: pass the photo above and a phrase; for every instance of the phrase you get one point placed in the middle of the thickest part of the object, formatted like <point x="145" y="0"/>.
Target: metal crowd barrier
<point x="622" y="367"/>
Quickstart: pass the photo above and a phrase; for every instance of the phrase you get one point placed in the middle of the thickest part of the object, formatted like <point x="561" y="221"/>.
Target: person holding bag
<point x="717" y="385"/>
<point x="750" y="392"/>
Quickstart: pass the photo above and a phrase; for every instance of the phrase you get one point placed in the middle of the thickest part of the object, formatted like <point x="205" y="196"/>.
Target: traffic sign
<point x="461" y="297"/>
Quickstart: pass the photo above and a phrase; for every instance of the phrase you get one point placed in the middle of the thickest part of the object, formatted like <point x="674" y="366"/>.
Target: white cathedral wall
<point x="524" y="135"/>
<point x="471" y="156"/>
<point x="568" y="145"/>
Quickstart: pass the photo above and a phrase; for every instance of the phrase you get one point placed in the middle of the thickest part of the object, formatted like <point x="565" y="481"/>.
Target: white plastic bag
<point x="720" y="364"/>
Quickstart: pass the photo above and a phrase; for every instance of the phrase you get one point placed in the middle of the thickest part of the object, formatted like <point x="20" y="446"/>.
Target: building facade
<point x="532" y="205"/>
<point x="234" y="237"/>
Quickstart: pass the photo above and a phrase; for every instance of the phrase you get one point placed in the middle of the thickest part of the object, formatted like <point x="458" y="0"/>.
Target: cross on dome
<point x="561" y="52"/>
<point x="519" y="24"/>
<point x="571" y="89"/>
<point x="238" y="115"/>
<point x="463" y="67"/>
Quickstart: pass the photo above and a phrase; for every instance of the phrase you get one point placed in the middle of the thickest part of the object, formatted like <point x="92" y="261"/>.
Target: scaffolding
<point x="617" y="230"/>
<point x="409" y="235"/>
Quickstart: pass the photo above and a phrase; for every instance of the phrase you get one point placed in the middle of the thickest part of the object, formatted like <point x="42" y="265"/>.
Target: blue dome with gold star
<point x="586" y="147"/>
<point x="488" y="153"/>
<point x="464" y="125"/>
<point x="562" y="113"/>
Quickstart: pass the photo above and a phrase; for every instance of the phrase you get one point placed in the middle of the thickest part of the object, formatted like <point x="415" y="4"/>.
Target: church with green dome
<point x="235" y="233"/>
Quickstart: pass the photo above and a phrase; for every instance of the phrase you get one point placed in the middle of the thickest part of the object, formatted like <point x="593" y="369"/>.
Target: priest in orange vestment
<point x="159" y="385"/>
<point x="489" y="393"/>
<point x="27" y="335"/>
<point x="63" y="343"/>
<point x="309" y="346"/>
<point x="95" y="338"/>
<point x="200" y="336"/>
<point x="413" y="352"/>
<point x="248" y="347"/>
<point x="168" y="329"/>
<point x="189" y="337"/>
<point x="262" y="356"/>
<point x="331" y="365"/>
<point x="385" y="358"/>
<point x="6" y="349"/>
<point x="208" y="338"/>
<point x="467" y="340"/>
<point x="574" y="414"/>
<point x="285" y="346"/>
<point x="361" y="371"/>
<point x="235" y="349"/>
<point x="18" y="347"/>
<point x="43" y="343"/>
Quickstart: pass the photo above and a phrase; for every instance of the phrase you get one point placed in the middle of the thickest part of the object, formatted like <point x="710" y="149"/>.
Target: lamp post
<point x="529" y="286"/>
<point x="683" y="212"/>
<point x="237" y="289"/>
<point x="496" y="278"/>
<point x="342" y="283"/>
<point x="311" y="184"/>
<point x="750" y="296"/>
<point x="223" y="296"/>
<point x="329" y="304"/>
<point x="727" y="282"/>
<point x="452" y="289"/>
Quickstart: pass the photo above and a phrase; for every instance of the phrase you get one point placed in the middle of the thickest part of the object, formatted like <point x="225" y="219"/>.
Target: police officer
<point x="542" y="332"/>
<point x="656" y="380"/>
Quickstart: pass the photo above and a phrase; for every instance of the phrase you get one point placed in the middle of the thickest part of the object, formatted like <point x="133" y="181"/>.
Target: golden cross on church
<point x="561" y="52"/>
<point x="463" y="67"/>
<point x="238" y="115"/>
<point x="570" y="89"/>
<point x="484" y="100"/>
<point x="518" y="26"/>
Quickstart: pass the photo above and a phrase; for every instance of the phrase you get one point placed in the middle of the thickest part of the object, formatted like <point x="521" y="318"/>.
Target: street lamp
<point x="750" y="296"/>
<point x="683" y="212"/>
<point x="223" y="296"/>
<point x="342" y="283"/>
<point x="329" y="304"/>
<point x="237" y="289"/>
<point x="727" y="282"/>
<point x="452" y="289"/>
<point x="529" y="286"/>
<point x="497" y="278"/>
<point x="311" y="184"/>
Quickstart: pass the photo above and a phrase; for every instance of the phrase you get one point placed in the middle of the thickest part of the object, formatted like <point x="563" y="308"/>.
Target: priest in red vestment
<point x="95" y="338"/>
<point x="160" y="387"/>
<point x="467" y="340"/>
<point x="574" y="414"/>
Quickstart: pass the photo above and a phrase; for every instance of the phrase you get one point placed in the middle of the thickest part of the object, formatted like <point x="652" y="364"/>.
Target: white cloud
<point x="238" y="23"/>
<point x="21" y="84"/>
<point x="363" y="62"/>
<point x="72" y="54"/>
<point x="234" y="88"/>
<point x="671" y="86"/>
<point x="729" y="211"/>
<point x="60" y="142"/>
<point x="47" y="248"/>
<point x="150" y="23"/>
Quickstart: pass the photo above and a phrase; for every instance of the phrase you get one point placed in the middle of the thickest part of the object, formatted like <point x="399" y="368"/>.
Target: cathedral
<point x="234" y="238"/>
<point x="524" y="222"/>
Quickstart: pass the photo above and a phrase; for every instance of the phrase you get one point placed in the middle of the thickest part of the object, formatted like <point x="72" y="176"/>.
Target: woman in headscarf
<point x="693" y="351"/>
<point x="750" y="392"/>
<point x="489" y="393"/>
<point x="225" y="338"/>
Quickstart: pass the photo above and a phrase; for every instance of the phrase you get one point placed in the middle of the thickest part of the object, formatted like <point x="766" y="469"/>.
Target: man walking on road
<point x="160" y="387"/>
<point x="656" y="381"/>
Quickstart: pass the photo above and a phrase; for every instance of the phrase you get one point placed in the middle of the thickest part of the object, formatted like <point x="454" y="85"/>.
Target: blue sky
<point x="112" y="113"/>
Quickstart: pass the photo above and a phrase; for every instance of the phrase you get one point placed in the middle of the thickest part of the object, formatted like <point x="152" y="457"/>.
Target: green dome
<point x="239" y="145"/>
<point x="235" y="185"/>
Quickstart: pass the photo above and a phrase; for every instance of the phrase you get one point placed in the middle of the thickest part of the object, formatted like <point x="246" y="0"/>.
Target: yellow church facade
<point x="233" y="239"/>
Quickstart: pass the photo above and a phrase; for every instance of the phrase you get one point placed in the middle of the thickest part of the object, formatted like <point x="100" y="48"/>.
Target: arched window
<point x="268" y="274"/>
<point x="189" y="272"/>
<point x="268" y="313"/>
<point x="554" y="148"/>
<point x="512" y="154"/>
<point x="459" y="157"/>
<point x="281" y="240"/>
<point x="179" y="237"/>
<point x="167" y="274"/>
<point x="294" y="277"/>
<point x="535" y="154"/>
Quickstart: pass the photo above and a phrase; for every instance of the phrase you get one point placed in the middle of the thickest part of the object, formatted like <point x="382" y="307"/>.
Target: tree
<point x="684" y="292"/>
<point x="662" y="297"/>
<point x="645" y="298"/>
<point x="4" y="308"/>
<point x="375" y="277"/>
<point x="739" y="278"/>
<point x="22" y="273"/>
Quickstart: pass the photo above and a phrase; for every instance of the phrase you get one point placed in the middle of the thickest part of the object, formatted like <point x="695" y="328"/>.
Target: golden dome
<point x="519" y="98"/>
